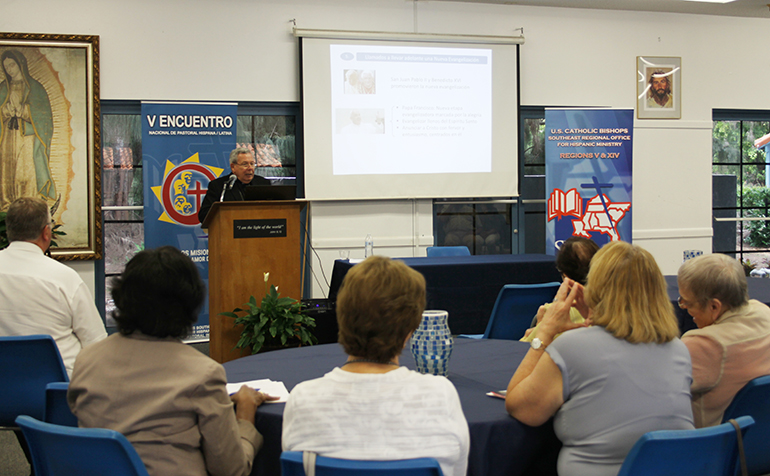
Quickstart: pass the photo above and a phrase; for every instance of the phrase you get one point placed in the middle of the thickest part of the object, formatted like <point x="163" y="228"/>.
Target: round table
<point x="500" y="444"/>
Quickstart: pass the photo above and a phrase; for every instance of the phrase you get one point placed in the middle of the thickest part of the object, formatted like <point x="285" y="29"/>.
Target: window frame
<point x="740" y="209"/>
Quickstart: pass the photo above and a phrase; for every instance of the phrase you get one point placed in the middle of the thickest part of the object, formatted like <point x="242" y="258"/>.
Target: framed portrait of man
<point x="50" y="136"/>
<point x="658" y="87"/>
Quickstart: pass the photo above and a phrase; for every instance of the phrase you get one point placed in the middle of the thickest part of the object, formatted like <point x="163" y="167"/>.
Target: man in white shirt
<point x="39" y="295"/>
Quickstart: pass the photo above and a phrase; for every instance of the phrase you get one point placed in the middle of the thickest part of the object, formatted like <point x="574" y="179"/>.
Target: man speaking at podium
<point x="231" y="187"/>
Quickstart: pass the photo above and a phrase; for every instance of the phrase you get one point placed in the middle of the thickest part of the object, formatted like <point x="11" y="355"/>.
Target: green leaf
<point x="256" y="347"/>
<point x="304" y="336"/>
<point x="242" y="342"/>
<point x="286" y="301"/>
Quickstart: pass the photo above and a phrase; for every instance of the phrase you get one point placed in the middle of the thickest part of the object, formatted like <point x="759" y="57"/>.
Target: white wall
<point x="243" y="50"/>
<point x="398" y="228"/>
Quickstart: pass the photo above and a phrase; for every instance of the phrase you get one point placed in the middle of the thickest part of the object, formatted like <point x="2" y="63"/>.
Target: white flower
<point x="267" y="275"/>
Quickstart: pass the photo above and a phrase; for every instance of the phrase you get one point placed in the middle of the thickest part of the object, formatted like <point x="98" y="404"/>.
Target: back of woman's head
<point x="627" y="295"/>
<point x="159" y="294"/>
<point x="574" y="258"/>
<point x="380" y="303"/>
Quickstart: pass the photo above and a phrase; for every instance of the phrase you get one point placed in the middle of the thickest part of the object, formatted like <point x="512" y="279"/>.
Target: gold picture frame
<point x="658" y="87"/>
<point x="50" y="134"/>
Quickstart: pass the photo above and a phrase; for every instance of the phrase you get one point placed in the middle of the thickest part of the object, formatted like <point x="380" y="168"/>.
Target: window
<point x="471" y="223"/>
<point x="268" y="129"/>
<point x="484" y="226"/>
<point x="122" y="194"/>
<point x="533" y="179"/>
<point x="741" y="185"/>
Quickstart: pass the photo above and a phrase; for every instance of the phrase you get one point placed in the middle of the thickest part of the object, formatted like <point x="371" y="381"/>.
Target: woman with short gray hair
<point x="732" y="343"/>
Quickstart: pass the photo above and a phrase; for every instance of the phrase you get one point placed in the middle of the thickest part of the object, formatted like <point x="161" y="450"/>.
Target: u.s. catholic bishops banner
<point x="588" y="175"/>
<point x="184" y="146"/>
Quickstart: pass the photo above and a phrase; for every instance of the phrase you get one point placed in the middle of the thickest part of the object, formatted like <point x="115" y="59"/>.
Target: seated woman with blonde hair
<point x="608" y="384"/>
<point x="370" y="408"/>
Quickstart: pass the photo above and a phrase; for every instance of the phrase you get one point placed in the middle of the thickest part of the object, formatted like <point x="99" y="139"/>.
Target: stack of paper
<point x="276" y="389"/>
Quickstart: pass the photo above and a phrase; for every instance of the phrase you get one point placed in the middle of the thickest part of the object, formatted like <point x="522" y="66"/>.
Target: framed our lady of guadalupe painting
<point x="49" y="134"/>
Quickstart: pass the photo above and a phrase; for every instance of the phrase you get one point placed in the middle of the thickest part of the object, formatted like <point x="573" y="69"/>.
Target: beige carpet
<point x="12" y="460"/>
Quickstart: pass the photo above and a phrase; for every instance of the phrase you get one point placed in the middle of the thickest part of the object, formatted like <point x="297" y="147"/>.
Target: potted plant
<point x="276" y="323"/>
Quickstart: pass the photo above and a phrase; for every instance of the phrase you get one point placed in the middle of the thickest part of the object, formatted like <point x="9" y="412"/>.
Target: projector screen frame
<point x="402" y="36"/>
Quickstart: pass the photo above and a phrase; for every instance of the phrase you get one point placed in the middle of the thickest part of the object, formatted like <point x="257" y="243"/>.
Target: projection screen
<point x="409" y="119"/>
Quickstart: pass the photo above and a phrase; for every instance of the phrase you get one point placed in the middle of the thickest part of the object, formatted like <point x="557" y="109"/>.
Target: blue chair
<point x="27" y="365"/>
<point x="514" y="309"/>
<point x="754" y="400"/>
<point x="291" y="465"/>
<point x="62" y="450"/>
<point x="57" y="410"/>
<point x="711" y="451"/>
<point x="435" y="251"/>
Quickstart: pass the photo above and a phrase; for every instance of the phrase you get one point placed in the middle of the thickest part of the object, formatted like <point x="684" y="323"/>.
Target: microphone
<point x="228" y="186"/>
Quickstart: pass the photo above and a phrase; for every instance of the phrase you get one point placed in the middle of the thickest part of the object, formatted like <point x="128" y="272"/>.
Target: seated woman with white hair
<point x="732" y="343"/>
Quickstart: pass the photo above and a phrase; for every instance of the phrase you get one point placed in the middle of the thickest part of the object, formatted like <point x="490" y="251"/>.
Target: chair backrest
<point x="59" y="450"/>
<point x="291" y="465"/>
<point x="515" y="306"/>
<point x="754" y="400"/>
<point x="434" y="251"/>
<point x="27" y="365"/>
<point x="711" y="451"/>
<point x="57" y="410"/>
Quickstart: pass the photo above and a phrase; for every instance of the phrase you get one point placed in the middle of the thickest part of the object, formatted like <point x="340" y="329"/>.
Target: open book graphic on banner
<point x="561" y="204"/>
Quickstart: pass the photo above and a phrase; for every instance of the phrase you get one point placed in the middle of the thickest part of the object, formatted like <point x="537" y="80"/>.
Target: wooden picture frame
<point x="50" y="134"/>
<point x="658" y="87"/>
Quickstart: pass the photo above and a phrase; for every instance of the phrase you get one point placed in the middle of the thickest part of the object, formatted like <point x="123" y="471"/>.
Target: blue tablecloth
<point x="467" y="286"/>
<point x="500" y="445"/>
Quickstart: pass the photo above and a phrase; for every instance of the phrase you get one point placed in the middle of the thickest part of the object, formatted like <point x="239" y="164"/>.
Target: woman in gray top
<point x="608" y="384"/>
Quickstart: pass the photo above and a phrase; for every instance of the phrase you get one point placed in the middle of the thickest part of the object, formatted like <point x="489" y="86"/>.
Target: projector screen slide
<point x="390" y="119"/>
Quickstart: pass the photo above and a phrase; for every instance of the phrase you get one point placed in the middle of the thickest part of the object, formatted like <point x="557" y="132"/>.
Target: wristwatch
<point x="537" y="344"/>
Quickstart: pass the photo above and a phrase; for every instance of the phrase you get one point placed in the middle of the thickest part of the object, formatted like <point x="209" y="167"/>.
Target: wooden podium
<point x="247" y="239"/>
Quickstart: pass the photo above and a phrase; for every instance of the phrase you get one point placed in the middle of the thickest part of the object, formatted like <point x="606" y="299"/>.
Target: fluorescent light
<point x="710" y="1"/>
